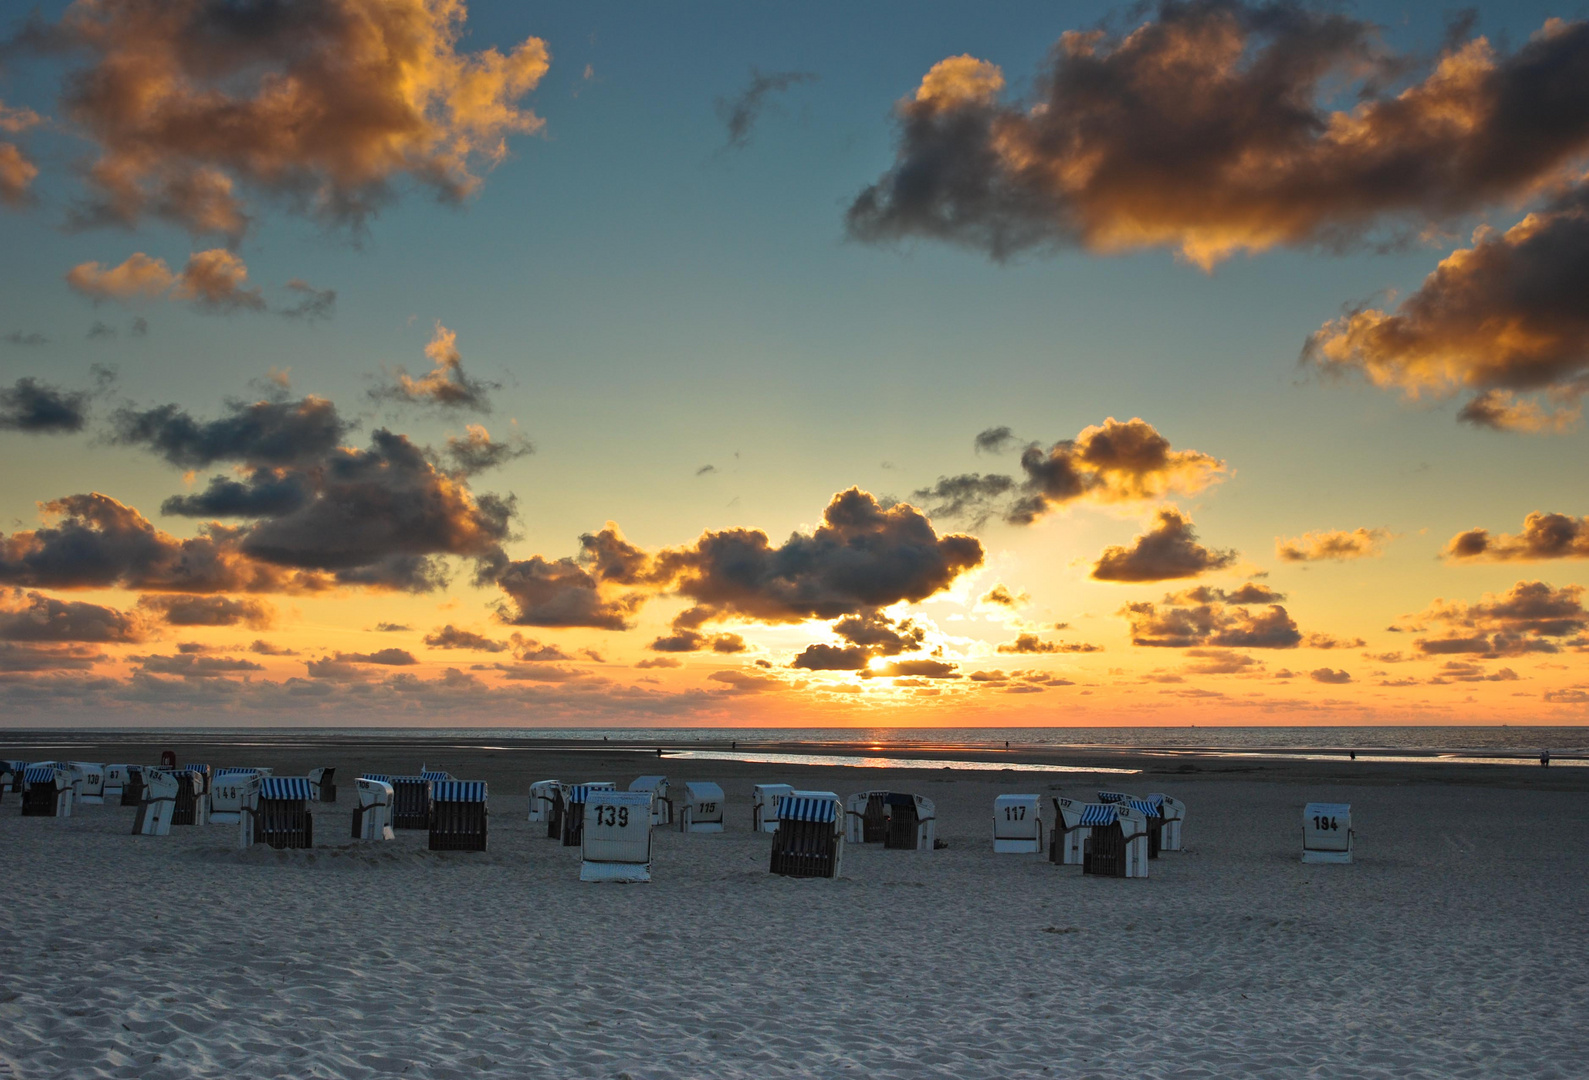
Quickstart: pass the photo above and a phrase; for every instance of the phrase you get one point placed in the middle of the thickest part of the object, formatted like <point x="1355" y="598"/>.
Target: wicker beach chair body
<point x="764" y="806"/>
<point x="808" y="840"/>
<point x="1117" y="843"/>
<point x="458" y="815"/>
<point x="229" y="790"/>
<point x="615" y="840"/>
<point x="157" y="801"/>
<point x="282" y="819"/>
<point x="411" y="798"/>
<point x="322" y="783"/>
<point x="47" y="791"/>
<point x="572" y="818"/>
<point x="912" y="822"/>
<point x="1017" y="825"/>
<point x="866" y="817"/>
<point x="192" y="807"/>
<point x="542" y="798"/>
<point x="372" y="817"/>
<point x="661" y="804"/>
<point x="132" y="788"/>
<point x="1066" y="834"/>
<point x="88" y="782"/>
<point x="1174" y="811"/>
<point x="1327" y="833"/>
<point x="1152" y="809"/>
<point x="703" y="808"/>
<point x="205" y="772"/>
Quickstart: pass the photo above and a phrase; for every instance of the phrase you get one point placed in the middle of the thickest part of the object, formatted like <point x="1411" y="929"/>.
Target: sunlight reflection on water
<point x="761" y="757"/>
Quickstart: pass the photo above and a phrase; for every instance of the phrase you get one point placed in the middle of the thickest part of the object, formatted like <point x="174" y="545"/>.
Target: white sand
<point x="1456" y="947"/>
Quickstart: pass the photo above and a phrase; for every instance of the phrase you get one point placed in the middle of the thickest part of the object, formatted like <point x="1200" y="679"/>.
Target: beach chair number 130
<point x="613" y="815"/>
<point x="1321" y="823"/>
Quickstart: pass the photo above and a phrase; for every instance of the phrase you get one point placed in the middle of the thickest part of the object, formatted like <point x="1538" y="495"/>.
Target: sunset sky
<point x="397" y="362"/>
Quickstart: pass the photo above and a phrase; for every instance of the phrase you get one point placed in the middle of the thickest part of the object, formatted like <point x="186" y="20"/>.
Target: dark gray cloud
<point x="1167" y="551"/>
<point x="19" y="659"/>
<point x="190" y="666"/>
<point x="1333" y="676"/>
<point x="312" y="304"/>
<point x="37" y="617"/>
<point x="41" y="409"/>
<point x="1204" y="618"/>
<point x="1530" y="617"/>
<point x="741" y="112"/>
<point x="1544" y="536"/>
<point x="995" y="440"/>
<point x="694" y="641"/>
<point x="32" y="339"/>
<point x="1209" y="129"/>
<point x="561" y="592"/>
<point x="266" y="493"/>
<point x="260" y="433"/>
<point x="476" y="452"/>
<point x="265" y="648"/>
<point x="188" y="610"/>
<point x="969" y="497"/>
<point x="1031" y="643"/>
<point x="451" y="637"/>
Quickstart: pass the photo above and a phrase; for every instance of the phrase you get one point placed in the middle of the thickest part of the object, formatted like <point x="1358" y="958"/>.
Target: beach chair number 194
<point x="1321" y="823"/>
<point x="613" y="815"/>
<point x="1015" y="813"/>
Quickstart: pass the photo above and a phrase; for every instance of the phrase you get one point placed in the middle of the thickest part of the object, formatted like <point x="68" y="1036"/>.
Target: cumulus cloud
<point x="1530" y="617"/>
<point x="1210" y="129"/>
<point x="1113" y="462"/>
<point x="476" y="452"/>
<point x="741" y="112"/>
<point x="1509" y="314"/>
<point x="265" y="648"/>
<point x="1001" y="596"/>
<point x="694" y="641"/>
<point x="191" y="666"/>
<point x="37" y="617"/>
<point x="451" y="637"/>
<point x="1335" y="544"/>
<point x="1210" y="617"/>
<point x="312" y="304"/>
<point x="995" y="440"/>
<point x="39" y="409"/>
<point x="256" y="433"/>
<point x="1333" y="676"/>
<point x="917" y="669"/>
<point x="180" y="610"/>
<point x="1544" y="536"/>
<point x="820" y="657"/>
<point x="446" y="384"/>
<point x="1031" y="643"/>
<point x="213" y="281"/>
<point x="17" y="174"/>
<point x="1168" y="550"/>
<point x="325" y="105"/>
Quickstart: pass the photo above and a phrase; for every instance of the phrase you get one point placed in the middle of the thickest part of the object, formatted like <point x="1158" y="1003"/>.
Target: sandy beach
<point x="1452" y="948"/>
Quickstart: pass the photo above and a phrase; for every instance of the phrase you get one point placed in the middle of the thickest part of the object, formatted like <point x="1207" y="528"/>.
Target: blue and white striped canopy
<point x="1113" y="796"/>
<point x="234" y="771"/>
<point x="579" y="793"/>
<point x="1099" y="814"/>
<point x="194" y="768"/>
<point x="385" y="778"/>
<point x="459" y="791"/>
<point x="1149" y="807"/>
<point x="285" y="787"/>
<point x="408" y="780"/>
<point x="805" y="808"/>
<point x="39" y="774"/>
<point x="435" y="774"/>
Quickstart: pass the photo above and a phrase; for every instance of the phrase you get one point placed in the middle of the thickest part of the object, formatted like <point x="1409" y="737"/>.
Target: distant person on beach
<point x="1544" y="758"/>
<point x="1353" y="753"/>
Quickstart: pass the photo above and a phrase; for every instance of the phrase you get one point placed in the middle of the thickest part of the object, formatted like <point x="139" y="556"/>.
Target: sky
<point x="412" y="362"/>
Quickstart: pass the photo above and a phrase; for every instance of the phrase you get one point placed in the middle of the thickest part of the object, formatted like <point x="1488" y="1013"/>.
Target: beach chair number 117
<point x="1323" y="824"/>
<point x="1015" y="813"/>
<point x="613" y="815"/>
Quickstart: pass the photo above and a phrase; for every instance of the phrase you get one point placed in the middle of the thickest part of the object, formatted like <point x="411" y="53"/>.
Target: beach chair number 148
<point x="613" y="815"/>
<point x="1323" y="823"/>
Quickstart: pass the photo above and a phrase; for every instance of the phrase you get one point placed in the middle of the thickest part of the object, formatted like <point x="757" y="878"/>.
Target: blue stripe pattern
<point x="803" y="808"/>
<point x="459" y="791"/>
<point x="194" y="768"/>
<point x="1112" y="796"/>
<point x="434" y="774"/>
<point x="580" y="793"/>
<point x="234" y="771"/>
<point x="285" y="787"/>
<point x="1099" y="814"/>
<point x="39" y="775"/>
<point x="385" y="778"/>
<point x="1147" y="807"/>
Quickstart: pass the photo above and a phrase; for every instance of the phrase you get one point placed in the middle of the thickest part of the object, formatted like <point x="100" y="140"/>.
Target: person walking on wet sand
<point x="1544" y="758"/>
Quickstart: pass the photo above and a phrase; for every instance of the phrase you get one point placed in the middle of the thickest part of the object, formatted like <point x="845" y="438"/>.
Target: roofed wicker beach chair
<point x="435" y="774"/>
<point x="615" y="843"/>
<point x="1327" y="832"/>
<point x="282" y="819"/>
<point x="1115" y="843"/>
<point x="912" y="822"/>
<point x="764" y="806"/>
<point x="46" y="790"/>
<point x="206" y="772"/>
<point x="545" y="806"/>
<point x="411" y="797"/>
<point x="323" y="783"/>
<point x="157" y="801"/>
<point x="230" y="789"/>
<point x="661" y="804"/>
<point x="132" y="787"/>
<point x="88" y="782"/>
<point x="703" y="808"/>
<point x="1152" y="809"/>
<point x="192" y="807"/>
<point x="115" y="782"/>
<point x="458" y="815"/>
<point x="372" y="817"/>
<point x="573" y="816"/>
<point x="1174" y="813"/>
<point x="866" y="817"/>
<point x="1067" y="836"/>
<point x="1017" y="825"/>
<point x="808" y="840"/>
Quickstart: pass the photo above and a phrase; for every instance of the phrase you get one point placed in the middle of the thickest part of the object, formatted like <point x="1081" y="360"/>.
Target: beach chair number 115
<point x="1325" y="824"/>
<point x="1018" y="813"/>
<point x="613" y="815"/>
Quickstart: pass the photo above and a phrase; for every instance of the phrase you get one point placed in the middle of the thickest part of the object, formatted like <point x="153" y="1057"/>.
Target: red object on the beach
<point x="168" y="759"/>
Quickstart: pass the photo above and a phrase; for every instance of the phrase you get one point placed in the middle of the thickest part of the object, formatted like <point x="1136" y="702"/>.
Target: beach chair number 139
<point x="1321" y="823"/>
<point x="613" y="815"/>
<point x="1015" y="813"/>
